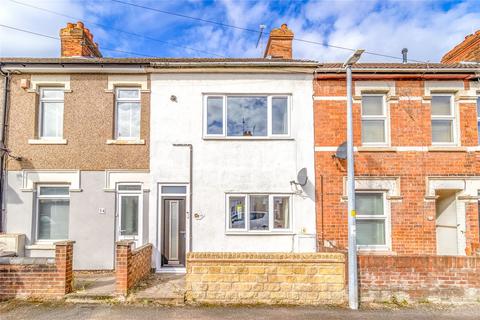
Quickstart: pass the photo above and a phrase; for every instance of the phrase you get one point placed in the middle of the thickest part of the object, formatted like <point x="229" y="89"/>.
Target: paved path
<point x="60" y="311"/>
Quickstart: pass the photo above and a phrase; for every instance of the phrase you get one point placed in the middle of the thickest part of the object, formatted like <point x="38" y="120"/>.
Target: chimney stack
<point x="279" y="44"/>
<point x="466" y="51"/>
<point x="77" y="41"/>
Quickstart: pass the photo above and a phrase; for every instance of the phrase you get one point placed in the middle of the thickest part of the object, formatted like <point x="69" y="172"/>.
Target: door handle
<point x="183" y="232"/>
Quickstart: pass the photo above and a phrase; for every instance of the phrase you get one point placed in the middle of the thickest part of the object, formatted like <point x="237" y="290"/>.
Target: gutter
<point x="4" y="151"/>
<point x="401" y="70"/>
<point x="303" y="64"/>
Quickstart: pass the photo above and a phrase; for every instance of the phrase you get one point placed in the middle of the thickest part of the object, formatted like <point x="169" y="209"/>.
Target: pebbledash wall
<point x="409" y="169"/>
<point x="87" y="160"/>
<point x="222" y="166"/>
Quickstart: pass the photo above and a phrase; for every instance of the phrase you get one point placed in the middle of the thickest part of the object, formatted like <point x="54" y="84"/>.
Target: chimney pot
<point x="80" y="24"/>
<point x="69" y="25"/>
<point x="279" y="44"/>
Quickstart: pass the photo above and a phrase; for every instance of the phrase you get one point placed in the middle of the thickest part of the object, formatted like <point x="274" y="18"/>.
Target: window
<point x="443" y="120"/>
<point x="478" y="119"/>
<point x="247" y="116"/>
<point x="53" y="205"/>
<point x="374" y="120"/>
<point x="258" y="212"/>
<point x="51" y="113"/>
<point x="129" y="204"/>
<point x="371" y="219"/>
<point x="127" y="126"/>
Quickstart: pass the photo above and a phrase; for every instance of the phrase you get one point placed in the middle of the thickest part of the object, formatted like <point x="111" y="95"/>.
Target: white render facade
<point x="236" y="178"/>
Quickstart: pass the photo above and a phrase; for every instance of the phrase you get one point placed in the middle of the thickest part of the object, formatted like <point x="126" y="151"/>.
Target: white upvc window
<point x="372" y="220"/>
<point x="444" y="126"/>
<point x="375" y="124"/>
<point x="258" y="213"/>
<point x="52" y="218"/>
<point x="478" y="119"/>
<point x="127" y="113"/>
<point x="50" y="114"/>
<point x="130" y="210"/>
<point x="247" y="116"/>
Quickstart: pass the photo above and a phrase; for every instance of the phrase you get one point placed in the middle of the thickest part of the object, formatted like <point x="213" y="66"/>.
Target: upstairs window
<point x="258" y="213"/>
<point x="127" y="111"/>
<point x="443" y="120"/>
<point x="374" y="120"/>
<point x="247" y="116"/>
<point x="51" y="113"/>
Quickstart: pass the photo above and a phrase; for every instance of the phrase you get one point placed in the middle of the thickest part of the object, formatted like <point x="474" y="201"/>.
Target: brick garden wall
<point x="266" y="278"/>
<point x="419" y="278"/>
<point x="131" y="266"/>
<point x="38" y="277"/>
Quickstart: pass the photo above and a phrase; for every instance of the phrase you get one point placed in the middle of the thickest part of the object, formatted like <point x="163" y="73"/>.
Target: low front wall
<point x="131" y="265"/>
<point x="265" y="278"/>
<point x="38" y="277"/>
<point x="419" y="278"/>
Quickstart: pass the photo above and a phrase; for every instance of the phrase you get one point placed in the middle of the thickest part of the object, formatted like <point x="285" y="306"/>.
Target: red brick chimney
<point x="466" y="51"/>
<point x="77" y="41"/>
<point x="279" y="44"/>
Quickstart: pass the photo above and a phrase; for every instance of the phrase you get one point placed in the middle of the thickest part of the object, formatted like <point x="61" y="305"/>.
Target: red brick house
<point x="417" y="155"/>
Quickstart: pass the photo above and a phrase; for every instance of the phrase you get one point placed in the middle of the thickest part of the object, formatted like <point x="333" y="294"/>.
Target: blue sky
<point x="427" y="28"/>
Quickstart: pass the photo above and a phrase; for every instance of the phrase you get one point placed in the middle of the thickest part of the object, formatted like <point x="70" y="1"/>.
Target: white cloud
<point x="427" y="28"/>
<point x="15" y="43"/>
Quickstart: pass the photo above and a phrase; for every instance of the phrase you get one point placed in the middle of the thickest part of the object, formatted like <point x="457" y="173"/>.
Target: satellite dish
<point x="341" y="152"/>
<point x="302" y="177"/>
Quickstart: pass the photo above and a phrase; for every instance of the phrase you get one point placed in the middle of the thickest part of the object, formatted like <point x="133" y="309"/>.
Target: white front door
<point x="446" y="223"/>
<point x="130" y="217"/>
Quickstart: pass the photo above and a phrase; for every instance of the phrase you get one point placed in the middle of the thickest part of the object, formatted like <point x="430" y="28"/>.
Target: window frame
<point x="41" y="101"/>
<point x="452" y="117"/>
<point x="385" y="217"/>
<point x="478" y="119"/>
<point x="37" y="212"/>
<point x="271" y="228"/>
<point x="224" y="134"/>
<point x="123" y="193"/>
<point x="119" y="100"/>
<point x="385" y="118"/>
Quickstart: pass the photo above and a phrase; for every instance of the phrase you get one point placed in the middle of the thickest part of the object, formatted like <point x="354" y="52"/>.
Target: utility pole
<point x="352" y="230"/>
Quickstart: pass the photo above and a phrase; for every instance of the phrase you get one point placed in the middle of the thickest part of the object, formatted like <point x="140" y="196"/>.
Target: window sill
<point x="41" y="246"/>
<point x="126" y="142"/>
<point x="374" y="252"/>
<point x="47" y="141"/>
<point x="259" y="233"/>
<point x="241" y="138"/>
<point x="376" y="149"/>
<point x="447" y="149"/>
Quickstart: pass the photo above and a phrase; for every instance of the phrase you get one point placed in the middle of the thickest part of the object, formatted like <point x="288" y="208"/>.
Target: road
<point x="60" y="311"/>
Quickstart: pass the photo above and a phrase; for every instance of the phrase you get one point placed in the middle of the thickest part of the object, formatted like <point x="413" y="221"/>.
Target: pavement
<point x="19" y="310"/>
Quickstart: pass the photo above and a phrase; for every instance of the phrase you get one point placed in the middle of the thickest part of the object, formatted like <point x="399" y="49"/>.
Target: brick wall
<point x="419" y="278"/>
<point x="131" y="266"/>
<point x="270" y="278"/>
<point x="412" y="215"/>
<point x="38" y="277"/>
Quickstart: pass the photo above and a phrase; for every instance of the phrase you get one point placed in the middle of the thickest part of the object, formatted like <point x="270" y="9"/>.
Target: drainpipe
<point x="4" y="151"/>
